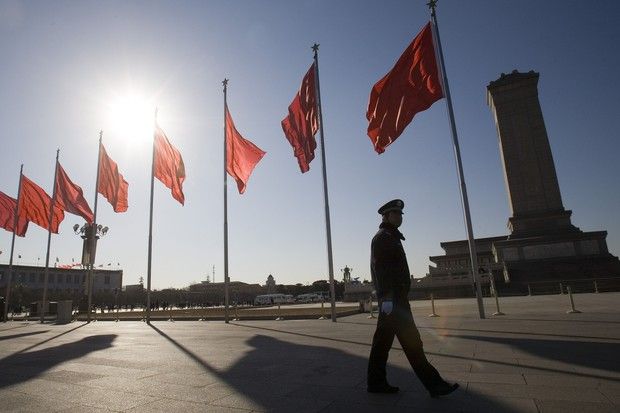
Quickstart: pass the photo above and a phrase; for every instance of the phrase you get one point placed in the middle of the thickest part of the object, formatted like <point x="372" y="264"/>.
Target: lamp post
<point x="90" y="233"/>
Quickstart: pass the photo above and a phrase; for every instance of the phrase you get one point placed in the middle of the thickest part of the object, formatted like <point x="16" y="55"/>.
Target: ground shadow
<point x="23" y="366"/>
<point x="32" y="333"/>
<point x="278" y="375"/>
<point x="597" y="355"/>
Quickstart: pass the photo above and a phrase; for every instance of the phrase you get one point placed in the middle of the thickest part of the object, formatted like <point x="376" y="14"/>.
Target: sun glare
<point x="131" y="117"/>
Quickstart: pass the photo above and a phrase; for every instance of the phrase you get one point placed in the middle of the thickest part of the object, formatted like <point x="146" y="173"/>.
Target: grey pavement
<point x="536" y="358"/>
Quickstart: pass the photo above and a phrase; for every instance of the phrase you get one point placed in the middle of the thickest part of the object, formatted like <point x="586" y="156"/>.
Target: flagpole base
<point x="498" y="313"/>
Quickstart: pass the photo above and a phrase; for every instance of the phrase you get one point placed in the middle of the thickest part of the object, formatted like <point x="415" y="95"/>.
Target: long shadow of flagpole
<point x="186" y="351"/>
<point x="49" y="339"/>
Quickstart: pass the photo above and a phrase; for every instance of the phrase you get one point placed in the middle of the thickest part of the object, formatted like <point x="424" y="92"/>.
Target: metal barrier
<point x="236" y="313"/>
<point x="583" y="285"/>
<point x="370" y="307"/>
<point x="279" y="318"/>
<point x="433" y="314"/>
<point x="572" y="303"/>
<point x="322" y="317"/>
<point x="494" y="290"/>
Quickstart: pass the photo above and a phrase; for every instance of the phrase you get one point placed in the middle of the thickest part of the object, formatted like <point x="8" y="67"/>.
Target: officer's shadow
<point x="279" y="375"/>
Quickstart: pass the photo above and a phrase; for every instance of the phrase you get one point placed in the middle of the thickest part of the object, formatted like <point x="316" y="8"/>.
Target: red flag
<point x="169" y="167"/>
<point x="35" y="204"/>
<point x="241" y="155"/>
<point x="302" y="123"/>
<point x="7" y="216"/>
<point x="69" y="196"/>
<point x="111" y="183"/>
<point x="411" y="86"/>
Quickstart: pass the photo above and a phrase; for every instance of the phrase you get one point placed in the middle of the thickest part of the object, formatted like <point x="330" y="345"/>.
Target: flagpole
<point x="15" y="223"/>
<point x="92" y="239"/>
<point x="150" y="255"/>
<point x="473" y="256"/>
<point x="49" y="241"/>
<point x="330" y="260"/>
<point x="226" y="280"/>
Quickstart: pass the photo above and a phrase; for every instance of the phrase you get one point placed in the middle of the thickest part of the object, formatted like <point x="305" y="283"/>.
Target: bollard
<point x="204" y="318"/>
<point x="595" y="287"/>
<point x="322" y="317"/>
<point x="279" y="318"/>
<point x="561" y="289"/>
<point x="433" y="314"/>
<point x="572" y="303"/>
<point x="529" y="290"/>
<point x="498" y="312"/>
<point x="236" y="314"/>
<point x="371" y="315"/>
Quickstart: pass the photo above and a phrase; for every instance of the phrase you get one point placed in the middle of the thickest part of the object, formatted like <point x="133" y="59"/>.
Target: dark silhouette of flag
<point x="241" y="155"/>
<point x="302" y="123"/>
<point x="111" y="183"/>
<point x="69" y="196"/>
<point x="35" y="205"/>
<point x="168" y="165"/>
<point x="412" y="86"/>
<point x="7" y="216"/>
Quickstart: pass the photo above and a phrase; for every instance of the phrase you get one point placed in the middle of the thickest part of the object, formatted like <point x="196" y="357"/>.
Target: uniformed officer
<point x="390" y="275"/>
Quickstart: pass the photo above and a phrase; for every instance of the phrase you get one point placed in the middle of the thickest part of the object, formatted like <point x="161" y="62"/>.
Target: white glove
<point x="386" y="307"/>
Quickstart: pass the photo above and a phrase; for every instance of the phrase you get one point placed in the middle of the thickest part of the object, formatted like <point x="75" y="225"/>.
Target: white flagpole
<point x="49" y="241"/>
<point x="473" y="256"/>
<point x="93" y="234"/>
<point x="15" y="223"/>
<point x="150" y="251"/>
<point x="226" y="280"/>
<point x="330" y="260"/>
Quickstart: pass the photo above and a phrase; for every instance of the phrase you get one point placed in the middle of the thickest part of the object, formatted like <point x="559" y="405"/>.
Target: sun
<point x="131" y="117"/>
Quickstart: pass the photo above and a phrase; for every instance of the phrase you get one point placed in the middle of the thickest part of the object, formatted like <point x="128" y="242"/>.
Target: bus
<point x="308" y="298"/>
<point x="271" y="299"/>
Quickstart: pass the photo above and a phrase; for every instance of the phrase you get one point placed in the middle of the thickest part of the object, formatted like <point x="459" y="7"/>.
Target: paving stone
<point x="531" y="360"/>
<point x="559" y="406"/>
<point x="538" y="392"/>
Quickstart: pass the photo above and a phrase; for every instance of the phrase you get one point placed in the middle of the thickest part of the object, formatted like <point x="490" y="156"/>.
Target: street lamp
<point x="90" y="233"/>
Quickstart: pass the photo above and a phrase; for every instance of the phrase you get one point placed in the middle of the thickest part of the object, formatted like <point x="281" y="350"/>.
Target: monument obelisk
<point x="543" y="243"/>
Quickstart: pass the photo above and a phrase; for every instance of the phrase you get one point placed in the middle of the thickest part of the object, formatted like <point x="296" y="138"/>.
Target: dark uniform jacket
<point x="388" y="265"/>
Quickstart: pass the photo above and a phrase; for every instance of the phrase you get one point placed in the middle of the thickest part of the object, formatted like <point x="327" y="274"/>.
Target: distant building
<point x="213" y="293"/>
<point x="133" y="288"/>
<point x="355" y="291"/>
<point x="270" y="284"/>
<point x="71" y="281"/>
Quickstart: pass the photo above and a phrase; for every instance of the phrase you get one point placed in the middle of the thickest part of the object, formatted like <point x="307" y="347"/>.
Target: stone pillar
<point x="529" y="170"/>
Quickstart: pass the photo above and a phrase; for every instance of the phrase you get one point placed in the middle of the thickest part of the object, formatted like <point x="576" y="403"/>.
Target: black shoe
<point x="382" y="388"/>
<point x="443" y="389"/>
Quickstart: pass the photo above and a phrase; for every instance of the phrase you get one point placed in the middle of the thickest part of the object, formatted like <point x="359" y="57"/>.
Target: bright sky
<point x="67" y="65"/>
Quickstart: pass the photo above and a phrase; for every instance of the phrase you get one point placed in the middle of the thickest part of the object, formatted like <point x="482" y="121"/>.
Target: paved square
<point x="537" y="358"/>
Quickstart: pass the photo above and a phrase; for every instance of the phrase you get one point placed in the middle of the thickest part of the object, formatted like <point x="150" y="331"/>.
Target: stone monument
<point x="543" y="244"/>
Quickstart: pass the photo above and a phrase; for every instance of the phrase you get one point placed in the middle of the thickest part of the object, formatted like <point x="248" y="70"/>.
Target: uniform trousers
<point x="399" y="323"/>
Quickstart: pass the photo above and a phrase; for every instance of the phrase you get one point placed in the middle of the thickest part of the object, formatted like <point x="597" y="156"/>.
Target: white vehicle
<point x="308" y="298"/>
<point x="270" y="299"/>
